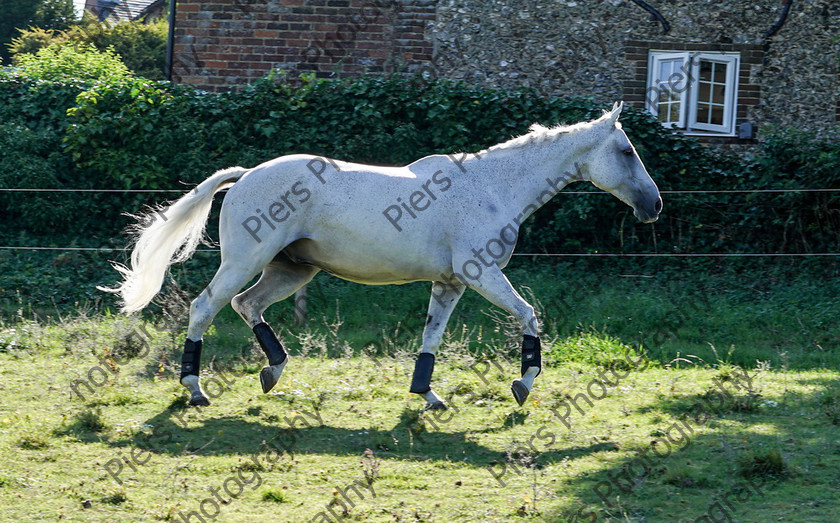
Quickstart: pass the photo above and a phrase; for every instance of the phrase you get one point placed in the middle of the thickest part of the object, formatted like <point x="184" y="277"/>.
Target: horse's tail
<point x="167" y="235"/>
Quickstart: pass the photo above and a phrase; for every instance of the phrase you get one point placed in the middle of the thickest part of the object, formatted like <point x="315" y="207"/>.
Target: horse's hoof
<point x="520" y="391"/>
<point x="267" y="379"/>
<point x="436" y="405"/>
<point x="199" y="400"/>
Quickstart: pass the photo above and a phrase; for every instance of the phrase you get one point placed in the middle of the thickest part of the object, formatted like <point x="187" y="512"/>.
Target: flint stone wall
<point x="591" y="48"/>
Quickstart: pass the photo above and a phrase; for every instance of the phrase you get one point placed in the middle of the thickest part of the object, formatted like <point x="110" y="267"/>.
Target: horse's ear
<point x="616" y="111"/>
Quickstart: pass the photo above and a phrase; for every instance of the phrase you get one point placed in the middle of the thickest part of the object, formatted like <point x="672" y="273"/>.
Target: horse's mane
<point x="538" y="133"/>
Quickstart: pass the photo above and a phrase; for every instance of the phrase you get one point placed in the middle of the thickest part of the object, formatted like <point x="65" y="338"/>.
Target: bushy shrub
<point x="32" y="40"/>
<point x="32" y="125"/>
<point x="59" y="63"/>
<point x="47" y="14"/>
<point x="165" y="128"/>
<point x="798" y="221"/>
<point x="36" y="104"/>
<point x="141" y="46"/>
<point x="29" y="159"/>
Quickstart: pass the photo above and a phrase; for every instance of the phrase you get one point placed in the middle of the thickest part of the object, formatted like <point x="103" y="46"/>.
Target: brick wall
<point x="227" y="43"/>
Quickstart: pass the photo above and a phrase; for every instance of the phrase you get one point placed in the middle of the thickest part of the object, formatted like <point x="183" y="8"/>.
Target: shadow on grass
<point x="178" y="432"/>
<point x="735" y="461"/>
<point x="753" y="457"/>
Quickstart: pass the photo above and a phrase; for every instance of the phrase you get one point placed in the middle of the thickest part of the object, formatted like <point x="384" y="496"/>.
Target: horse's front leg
<point x="444" y="298"/>
<point x="530" y="369"/>
<point x="494" y="285"/>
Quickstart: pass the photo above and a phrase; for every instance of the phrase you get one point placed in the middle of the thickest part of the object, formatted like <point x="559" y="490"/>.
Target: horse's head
<point x="614" y="166"/>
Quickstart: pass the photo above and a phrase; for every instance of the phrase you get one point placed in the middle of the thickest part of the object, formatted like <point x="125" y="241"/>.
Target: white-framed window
<point x="696" y="92"/>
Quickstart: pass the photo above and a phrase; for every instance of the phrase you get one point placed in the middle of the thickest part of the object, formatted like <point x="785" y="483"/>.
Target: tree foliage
<point x="19" y="15"/>
<point x="141" y="46"/>
<point x="57" y="15"/>
<point x="59" y="63"/>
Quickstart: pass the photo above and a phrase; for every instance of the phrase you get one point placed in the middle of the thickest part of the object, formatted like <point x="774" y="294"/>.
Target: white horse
<point x="449" y="219"/>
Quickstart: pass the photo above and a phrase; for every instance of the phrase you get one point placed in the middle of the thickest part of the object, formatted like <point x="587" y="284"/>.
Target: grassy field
<point x="667" y="395"/>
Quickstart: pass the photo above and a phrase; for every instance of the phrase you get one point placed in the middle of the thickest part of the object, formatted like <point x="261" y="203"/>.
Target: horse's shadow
<point x="188" y="433"/>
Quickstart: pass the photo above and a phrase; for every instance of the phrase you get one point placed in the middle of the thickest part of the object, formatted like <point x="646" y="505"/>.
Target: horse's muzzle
<point x="649" y="212"/>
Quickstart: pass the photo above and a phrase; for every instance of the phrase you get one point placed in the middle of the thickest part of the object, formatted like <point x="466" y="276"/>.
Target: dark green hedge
<point x="138" y="134"/>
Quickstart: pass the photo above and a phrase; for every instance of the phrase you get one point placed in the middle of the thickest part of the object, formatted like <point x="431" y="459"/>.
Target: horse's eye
<point x="627" y="152"/>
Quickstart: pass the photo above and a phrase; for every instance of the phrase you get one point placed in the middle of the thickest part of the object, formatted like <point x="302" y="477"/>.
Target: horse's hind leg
<point x="280" y="279"/>
<point x="444" y="298"/>
<point x="229" y="278"/>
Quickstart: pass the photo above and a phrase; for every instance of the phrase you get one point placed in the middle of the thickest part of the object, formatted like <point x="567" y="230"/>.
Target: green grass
<point x="344" y="424"/>
<point x="735" y="311"/>
<point x="341" y="417"/>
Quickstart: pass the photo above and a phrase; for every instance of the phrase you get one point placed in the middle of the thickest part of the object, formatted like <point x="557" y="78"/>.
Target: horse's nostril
<point x="658" y="206"/>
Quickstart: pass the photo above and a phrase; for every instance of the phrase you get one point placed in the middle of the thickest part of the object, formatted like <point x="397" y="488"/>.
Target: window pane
<point x="665" y="70"/>
<point x="703" y="91"/>
<point x="720" y="73"/>
<point x="703" y="113"/>
<point x="675" y="112"/>
<point x="712" y="99"/>
<point x="705" y="71"/>
<point x="678" y="81"/>
<point x="717" y="115"/>
<point x="719" y="93"/>
<point x="674" y="96"/>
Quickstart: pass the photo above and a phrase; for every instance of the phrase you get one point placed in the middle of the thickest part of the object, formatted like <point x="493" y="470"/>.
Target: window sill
<point x="706" y="134"/>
